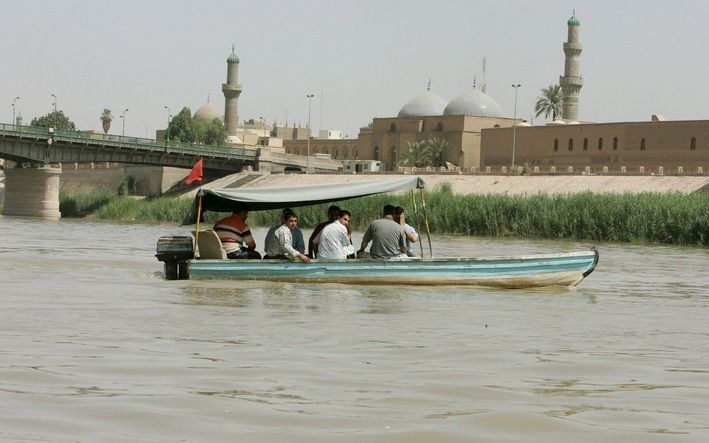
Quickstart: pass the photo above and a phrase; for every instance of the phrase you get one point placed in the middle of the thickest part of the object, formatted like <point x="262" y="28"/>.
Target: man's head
<point x="241" y="210"/>
<point x="286" y="212"/>
<point x="345" y="217"/>
<point x="388" y="210"/>
<point x="333" y="212"/>
<point x="398" y="212"/>
<point x="290" y="220"/>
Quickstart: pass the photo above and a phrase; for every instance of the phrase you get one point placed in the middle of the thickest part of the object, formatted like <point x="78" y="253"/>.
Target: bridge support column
<point x="32" y="192"/>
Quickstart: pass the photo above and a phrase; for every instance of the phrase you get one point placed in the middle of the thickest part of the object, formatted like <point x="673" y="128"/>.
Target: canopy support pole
<point x="418" y="220"/>
<point x="199" y="216"/>
<point x="425" y="219"/>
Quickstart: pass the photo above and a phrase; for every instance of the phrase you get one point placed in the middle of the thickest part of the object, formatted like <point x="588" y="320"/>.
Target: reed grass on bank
<point x="649" y="217"/>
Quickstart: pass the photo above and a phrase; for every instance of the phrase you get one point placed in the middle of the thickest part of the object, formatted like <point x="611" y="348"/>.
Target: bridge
<point x="32" y="144"/>
<point x="33" y="188"/>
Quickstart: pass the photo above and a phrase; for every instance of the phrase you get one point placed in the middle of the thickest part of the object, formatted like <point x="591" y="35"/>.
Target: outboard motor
<point x="174" y="251"/>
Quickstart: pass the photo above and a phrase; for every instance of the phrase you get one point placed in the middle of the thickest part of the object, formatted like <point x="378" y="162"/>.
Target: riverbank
<point x="511" y="185"/>
<point x="670" y="218"/>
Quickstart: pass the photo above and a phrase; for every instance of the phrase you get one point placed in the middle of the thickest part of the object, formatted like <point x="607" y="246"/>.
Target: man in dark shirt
<point x="387" y="236"/>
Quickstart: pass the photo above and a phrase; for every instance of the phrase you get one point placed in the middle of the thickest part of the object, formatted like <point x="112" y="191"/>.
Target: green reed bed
<point x="649" y="217"/>
<point x="82" y="204"/>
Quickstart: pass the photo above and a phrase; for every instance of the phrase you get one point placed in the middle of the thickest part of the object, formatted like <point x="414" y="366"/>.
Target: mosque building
<point x="480" y="137"/>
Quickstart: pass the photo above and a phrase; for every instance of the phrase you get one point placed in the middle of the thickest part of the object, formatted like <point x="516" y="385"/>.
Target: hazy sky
<point x="361" y="59"/>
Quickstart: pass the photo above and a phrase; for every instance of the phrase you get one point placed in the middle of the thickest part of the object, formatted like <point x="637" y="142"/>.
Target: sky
<point x="361" y="59"/>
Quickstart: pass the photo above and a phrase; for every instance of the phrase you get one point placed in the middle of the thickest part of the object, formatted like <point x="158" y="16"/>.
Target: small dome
<point x="524" y="124"/>
<point x="232" y="57"/>
<point x="475" y="103"/>
<point x="207" y="113"/>
<point x="425" y="104"/>
<point x="573" y="122"/>
<point x="557" y="122"/>
<point x="573" y="21"/>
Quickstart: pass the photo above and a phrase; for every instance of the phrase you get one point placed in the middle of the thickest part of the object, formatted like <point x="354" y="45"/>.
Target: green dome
<point x="232" y="58"/>
<point x="573" y="21"/>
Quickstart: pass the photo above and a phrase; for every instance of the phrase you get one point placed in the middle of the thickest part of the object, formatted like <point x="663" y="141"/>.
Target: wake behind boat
<point x="205" y="258"/>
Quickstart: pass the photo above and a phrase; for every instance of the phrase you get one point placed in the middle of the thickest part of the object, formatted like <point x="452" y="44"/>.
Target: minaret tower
<point x="231" y="90"/>
<point x="571" y="82"/>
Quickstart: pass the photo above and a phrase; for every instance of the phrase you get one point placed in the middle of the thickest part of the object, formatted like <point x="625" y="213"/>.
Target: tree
<point x="418" y="155"/>
<point x="184" y="128"/>
<point x="439" y="148"/>
<point x="56" y="120"/>
<point x="106" y="118"/>
<point x="215" y="133"/>
<point x="550" y="102"/>
<point x="181" y="128"/>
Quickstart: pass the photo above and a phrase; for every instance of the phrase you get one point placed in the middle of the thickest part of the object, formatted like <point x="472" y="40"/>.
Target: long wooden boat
<point x="205" y="259"/>
<point x="565" y="269"/>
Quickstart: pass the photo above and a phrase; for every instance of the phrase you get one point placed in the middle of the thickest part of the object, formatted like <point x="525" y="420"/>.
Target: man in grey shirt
<point x="387" y="236"/>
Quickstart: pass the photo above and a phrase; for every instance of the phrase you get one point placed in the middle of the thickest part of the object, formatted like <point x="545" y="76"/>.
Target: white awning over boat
<point x="258" y="199"/>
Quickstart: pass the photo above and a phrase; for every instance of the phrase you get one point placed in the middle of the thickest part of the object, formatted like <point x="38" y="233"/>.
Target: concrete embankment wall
<point x="513" y="185"/>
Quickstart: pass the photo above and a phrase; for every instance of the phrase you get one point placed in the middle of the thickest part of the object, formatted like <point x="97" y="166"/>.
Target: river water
<point x="97" y="346"/>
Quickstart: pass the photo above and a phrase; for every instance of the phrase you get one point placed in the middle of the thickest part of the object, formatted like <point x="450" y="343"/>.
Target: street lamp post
<point x="123" y="117"/>
<point x="14" y="100"/>
<point x="514" y="127"/>
<point x="169" y="117"/>
<point x="307" y="160"/>
<point x="55" y="102"/>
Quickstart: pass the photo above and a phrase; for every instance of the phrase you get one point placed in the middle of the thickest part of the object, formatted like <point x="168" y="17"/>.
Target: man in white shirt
<point x="333" y="241"/>
<point x="282" y="244"/>
<point x="409" y="231"/>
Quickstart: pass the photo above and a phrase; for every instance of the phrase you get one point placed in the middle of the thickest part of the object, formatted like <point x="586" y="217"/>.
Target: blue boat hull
<point x="564" y="269"/>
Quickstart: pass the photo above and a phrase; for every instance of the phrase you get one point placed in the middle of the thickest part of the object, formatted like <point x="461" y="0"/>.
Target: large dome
<point x="425" y="104"/>
<point x="207" y="113"/>
<point x="475" y="103"/>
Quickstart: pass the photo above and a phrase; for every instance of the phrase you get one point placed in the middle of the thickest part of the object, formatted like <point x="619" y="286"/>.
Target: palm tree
<point x="418" y="155"/>
<point x="438" y="148"/>
<point x="106" y="118"/>
<point x="550" y="102"/>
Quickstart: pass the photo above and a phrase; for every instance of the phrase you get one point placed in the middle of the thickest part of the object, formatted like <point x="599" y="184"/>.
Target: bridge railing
<point x="35" y="132"/>
<point x="162" y="146"/>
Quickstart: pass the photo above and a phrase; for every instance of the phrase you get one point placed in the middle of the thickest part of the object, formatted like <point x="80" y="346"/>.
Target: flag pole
<point x="199" y="215"/>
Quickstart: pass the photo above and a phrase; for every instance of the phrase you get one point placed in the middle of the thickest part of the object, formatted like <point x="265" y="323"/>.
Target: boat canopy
<point x="259" y="199"/>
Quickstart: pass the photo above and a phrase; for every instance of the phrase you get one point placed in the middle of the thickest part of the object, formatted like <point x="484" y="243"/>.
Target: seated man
<point x="387" y="237"/>
<point x="281" y="246"/>
<point x="234" y="233"/>
<point x="332" y="214"/>
<point x="298" y="242"/>
<point x="334" y="241"/>
<point x="411" y="235"/>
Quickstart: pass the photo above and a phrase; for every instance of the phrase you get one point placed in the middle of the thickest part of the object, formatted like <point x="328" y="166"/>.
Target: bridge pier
<point x="32" y="192"/>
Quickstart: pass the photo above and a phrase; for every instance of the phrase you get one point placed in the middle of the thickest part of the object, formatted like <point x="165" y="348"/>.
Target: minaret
<point x="231" y="90"/>
<point x="571" y="82"/>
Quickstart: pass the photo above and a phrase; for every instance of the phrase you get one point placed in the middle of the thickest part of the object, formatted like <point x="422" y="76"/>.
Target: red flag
<point x="195" y="174"/>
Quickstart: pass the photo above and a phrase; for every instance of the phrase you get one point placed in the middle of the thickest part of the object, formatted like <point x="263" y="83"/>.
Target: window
<point x="571" y="144"/>
<point x="439" y="126"/>
<point x="585" y="144"/>
<point x="600" y="143"/>
<point x="556" y="144"/>
<point x="392" y="127"/>
<point x="376" y="153"/>
<point x="615" y="143"/>
<point x="392" y="155"/>
<point x="642" y="144"/>
<point x="693" y="143"/>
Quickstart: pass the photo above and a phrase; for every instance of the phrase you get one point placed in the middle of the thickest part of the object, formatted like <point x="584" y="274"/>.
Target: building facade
<point x="659" y="147"/>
